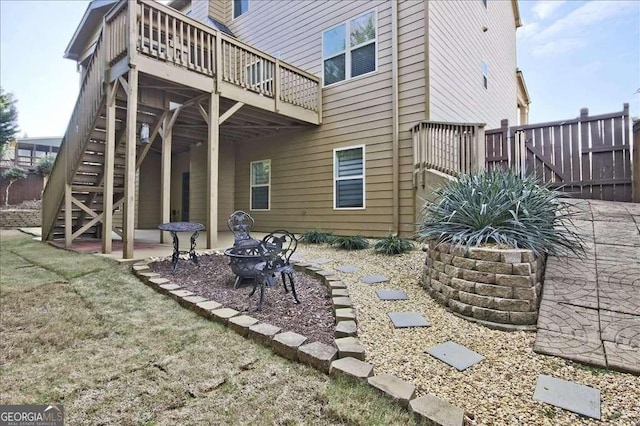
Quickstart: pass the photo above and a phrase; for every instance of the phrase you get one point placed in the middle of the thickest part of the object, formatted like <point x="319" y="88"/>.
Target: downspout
<point x="427" y="68"/>
<point x="395" y="118"/>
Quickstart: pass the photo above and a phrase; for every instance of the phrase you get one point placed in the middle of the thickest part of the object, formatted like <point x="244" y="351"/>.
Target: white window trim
<point x="251" y="186"/>
<point x="348" y="49"/>
<point x="233" y="17"/>
<point x="336" y="178"/>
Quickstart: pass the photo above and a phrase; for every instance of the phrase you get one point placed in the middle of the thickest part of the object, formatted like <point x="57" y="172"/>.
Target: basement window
<point x="260" y="184"/>
<point x="348" y="177"/>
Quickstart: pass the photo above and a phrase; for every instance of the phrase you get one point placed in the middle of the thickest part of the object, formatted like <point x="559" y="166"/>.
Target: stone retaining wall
<point x="15" y="218"/>
<point x="497" y="288"/>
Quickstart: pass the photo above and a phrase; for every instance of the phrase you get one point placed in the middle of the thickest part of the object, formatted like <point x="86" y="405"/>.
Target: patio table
<point x="174" y="228"/>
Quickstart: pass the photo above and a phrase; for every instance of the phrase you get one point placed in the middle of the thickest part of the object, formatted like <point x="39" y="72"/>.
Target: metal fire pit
<point x="243" y="258"/>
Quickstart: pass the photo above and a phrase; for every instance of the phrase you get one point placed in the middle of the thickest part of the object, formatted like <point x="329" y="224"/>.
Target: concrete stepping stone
<point x="408" y="319"/>
<point x="347" y="269"/>
<point x="391" y="295"/>
<point x="319" y="261"/>
<point x="455" y="355"/>
<point x="570" y="396"/>
<point x="374" y="279"/>
<point x="437" y="411"/>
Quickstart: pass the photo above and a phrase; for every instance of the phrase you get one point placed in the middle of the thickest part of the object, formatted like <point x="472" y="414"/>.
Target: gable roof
<point x="91" y="19"/>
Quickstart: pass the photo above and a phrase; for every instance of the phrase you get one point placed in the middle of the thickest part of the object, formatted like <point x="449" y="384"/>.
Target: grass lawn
<point x="84" y="332"/>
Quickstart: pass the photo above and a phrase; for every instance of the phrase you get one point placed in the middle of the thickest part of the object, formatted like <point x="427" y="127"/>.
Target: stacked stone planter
<point x="495" y="287"/>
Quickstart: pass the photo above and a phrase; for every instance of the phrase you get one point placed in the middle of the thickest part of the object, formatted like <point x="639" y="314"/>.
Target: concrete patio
<point x="590" y="309"/>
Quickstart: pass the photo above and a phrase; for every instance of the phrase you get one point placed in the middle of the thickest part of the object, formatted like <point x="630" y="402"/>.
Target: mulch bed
<point x="213" y="280"/>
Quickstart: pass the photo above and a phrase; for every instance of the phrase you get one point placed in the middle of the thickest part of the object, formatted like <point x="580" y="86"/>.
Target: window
<point x="240" y="7"/>
<point x="259" y="76"/>
<point x="349" y="50"/>
<point x="348" y="175"/>
<point x="485" y="75"/>
<point x="260" y="184"/>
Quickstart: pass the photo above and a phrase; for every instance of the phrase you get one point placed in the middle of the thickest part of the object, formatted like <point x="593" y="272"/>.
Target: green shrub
<point x="351" y="243"/>
<point x="317" y="237"/>
<point x="500" y="207"/>
<point x="393" y="245"/>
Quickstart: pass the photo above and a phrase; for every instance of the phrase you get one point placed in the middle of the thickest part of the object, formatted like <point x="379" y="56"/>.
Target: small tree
<point x="8" y="119"/>
<point x="44" y="166"/>
<point x="12" y="175"/>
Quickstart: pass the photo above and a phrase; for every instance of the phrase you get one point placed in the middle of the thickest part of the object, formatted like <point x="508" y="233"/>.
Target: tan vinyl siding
<point x="411" y="100"/>
<point x="218" y="10"/>
<point x="179" y="165"/>
<point x="198" y="184"/>
<point x="226" y="184"/>
<point x="458" y="46"/>
<point x="355" y="112"/>
<point x="149" y="214"/>
<point x="359" y="111"/>
<point x="199" y="10"/>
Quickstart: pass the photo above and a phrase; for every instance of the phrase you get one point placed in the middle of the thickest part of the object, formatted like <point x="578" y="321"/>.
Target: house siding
<point x="199" y="10"/>
<point x="355" y="112"/>
<point x="457" y="48"/>
<point x="198" y="183"/>
<point x="359" y="111"/>
<point x="148" y="200"/>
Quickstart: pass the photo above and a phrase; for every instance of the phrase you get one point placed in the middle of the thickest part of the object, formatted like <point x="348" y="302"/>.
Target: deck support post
<point x="109" y="160"/>
<point x="68" y="218"/>
<point x="165" y="179"/>
<point x="212" y="170"/>
<point x="130" y="166"/>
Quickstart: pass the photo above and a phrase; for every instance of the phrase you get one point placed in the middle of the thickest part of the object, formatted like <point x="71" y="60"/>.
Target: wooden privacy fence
<point x="588" y="156"/>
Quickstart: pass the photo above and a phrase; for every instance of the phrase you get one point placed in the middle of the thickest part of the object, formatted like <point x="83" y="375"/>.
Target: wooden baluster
<point x="189" y="60"/>
<point x="158" y="31"/>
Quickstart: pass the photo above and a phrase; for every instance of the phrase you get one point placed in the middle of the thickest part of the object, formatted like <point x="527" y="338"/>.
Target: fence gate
<point x="589" y="157"/>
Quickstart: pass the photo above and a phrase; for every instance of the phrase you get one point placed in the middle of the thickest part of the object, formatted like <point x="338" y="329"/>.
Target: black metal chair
<point x="275" y="250"/>
<point x="240" y="223"/>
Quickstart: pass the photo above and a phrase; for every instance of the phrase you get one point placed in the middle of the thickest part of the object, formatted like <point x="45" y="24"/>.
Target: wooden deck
<point x="188" y="83"/>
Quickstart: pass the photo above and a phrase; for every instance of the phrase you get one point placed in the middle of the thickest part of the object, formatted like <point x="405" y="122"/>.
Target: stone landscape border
<point x="498" y="288"/>
<point x="346" y="359"/>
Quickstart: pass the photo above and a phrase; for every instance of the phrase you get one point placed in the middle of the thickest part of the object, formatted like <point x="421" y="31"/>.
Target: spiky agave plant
<point x="502" y="208"/>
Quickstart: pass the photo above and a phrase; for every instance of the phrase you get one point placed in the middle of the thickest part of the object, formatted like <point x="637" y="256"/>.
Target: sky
<point x="573" y="54"/>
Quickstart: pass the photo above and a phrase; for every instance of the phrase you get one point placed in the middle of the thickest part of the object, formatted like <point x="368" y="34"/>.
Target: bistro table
<point x="174" y="228"/>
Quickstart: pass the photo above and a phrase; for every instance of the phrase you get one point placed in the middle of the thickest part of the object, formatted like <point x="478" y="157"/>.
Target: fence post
<point x="635" y="171"/>
<point x="480" y="160"/>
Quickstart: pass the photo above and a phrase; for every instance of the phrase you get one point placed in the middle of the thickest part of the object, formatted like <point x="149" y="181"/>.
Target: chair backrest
<point x="278" y="247"/>
<point x="240" y="223"/>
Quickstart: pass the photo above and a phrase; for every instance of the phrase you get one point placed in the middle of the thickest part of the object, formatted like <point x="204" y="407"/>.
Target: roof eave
<point x="516" y="13"/>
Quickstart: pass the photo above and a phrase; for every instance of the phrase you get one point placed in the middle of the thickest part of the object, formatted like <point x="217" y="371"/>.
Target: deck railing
<point x="451" y="148"/>
<point x="169" y="36"/>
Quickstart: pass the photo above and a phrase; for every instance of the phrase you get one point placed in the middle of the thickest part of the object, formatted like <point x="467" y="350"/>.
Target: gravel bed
<point x="499" y="390"/>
